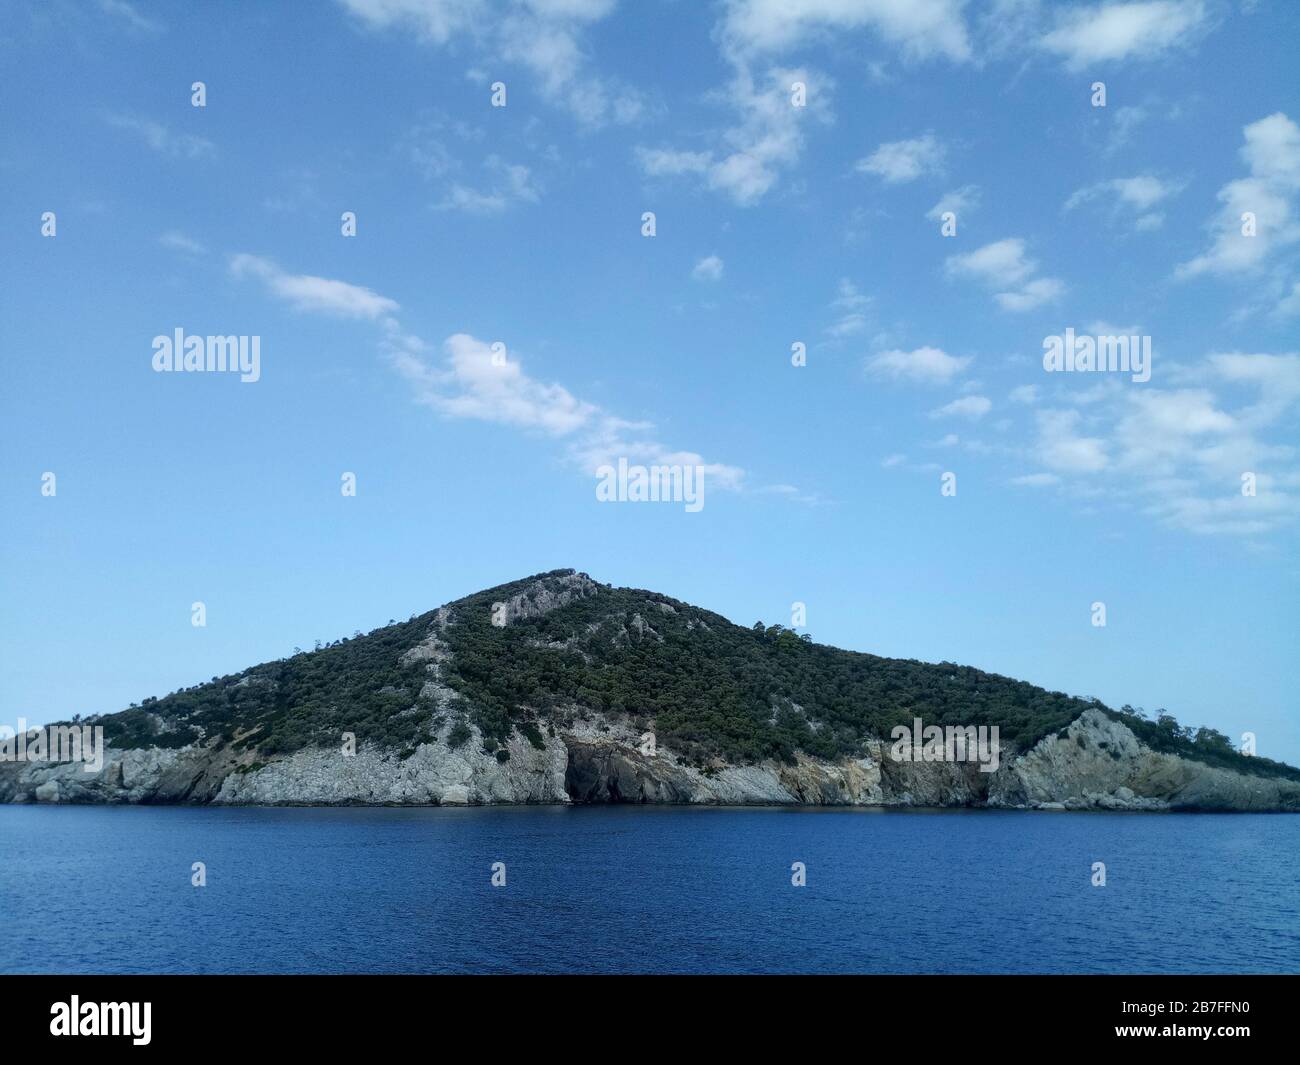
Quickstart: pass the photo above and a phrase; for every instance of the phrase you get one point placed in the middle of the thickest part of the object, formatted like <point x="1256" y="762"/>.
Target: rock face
<point x="543" y="596"/>
<point x="1097" y="764"/>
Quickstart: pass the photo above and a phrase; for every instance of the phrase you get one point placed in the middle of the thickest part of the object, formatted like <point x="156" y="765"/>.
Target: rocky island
<point x="559" y="689"/>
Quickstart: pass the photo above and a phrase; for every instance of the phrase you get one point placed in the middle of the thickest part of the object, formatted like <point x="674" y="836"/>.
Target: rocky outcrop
<point x="139" y="775"/>
<point x="543" y="596"/>
<point x="433" y="774"/>
<point x="1097" y="763"/>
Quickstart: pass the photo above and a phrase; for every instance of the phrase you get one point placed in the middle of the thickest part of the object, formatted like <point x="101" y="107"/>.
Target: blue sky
<point x="775" y="224"/>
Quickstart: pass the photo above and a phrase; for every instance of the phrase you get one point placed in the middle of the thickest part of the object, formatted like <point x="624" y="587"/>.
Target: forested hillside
<point x="710" y="689"/>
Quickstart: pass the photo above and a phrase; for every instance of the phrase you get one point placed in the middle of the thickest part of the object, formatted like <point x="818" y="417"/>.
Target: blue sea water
<point x="644" y="889"/>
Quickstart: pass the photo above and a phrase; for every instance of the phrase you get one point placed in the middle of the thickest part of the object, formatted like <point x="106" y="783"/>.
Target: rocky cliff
<point x="1098" y="764"/>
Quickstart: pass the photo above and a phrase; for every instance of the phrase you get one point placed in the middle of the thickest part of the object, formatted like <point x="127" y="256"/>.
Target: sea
<point x="644" y="889"/>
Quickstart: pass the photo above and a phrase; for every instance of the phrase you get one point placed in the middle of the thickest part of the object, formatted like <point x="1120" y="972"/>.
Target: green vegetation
<point x="712" y="690"/>
<point x="1200" y="744"/>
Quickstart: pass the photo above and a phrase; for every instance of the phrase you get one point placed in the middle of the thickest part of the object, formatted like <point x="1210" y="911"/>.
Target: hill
<point x="566" y="676"/>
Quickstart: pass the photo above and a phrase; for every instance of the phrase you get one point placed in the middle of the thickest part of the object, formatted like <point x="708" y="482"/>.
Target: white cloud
<point x="1159" y="430"/>
<point x="546" y="37"/>
<point x="1231" y="514"/>
<point x="852" y="305"/>
<point x="1137" y="194"/>
<point x="766" y="139"/>
<point x="708" y="269"/>
<point x="1033" y="294"/>
<point x="543" y="35"/>
<point x="1277" y="377"/>
<point x="897" y="162"/>
<point x="998" y="264"/>
<point x="1127" y="119"/>
<point x="920" y="28"/>
<point x="1112" y="32"/>
<point x="665" y="162"/>
<point x="122" y="9"/>
<point x="472" y="384"/>
<point x="306" y="293"/>
<point x="1180" y="453"/>
<point x="477" y="382"/>
<point x="178" y="241"/>
<point x="161" y="139"/>
<point x="1289" y="305"/>
<point x="848" y="297"/>
<point x="972" y="407"/>
<point x="1027" y="394"/>
<point x="959" y="201"/>
<point x="425" y="143"/>
<point x="768" y="136"/>
<point x="847" y="325"/>
<point x="1004" y="265"/>
<point x="434" y="20"/>
<point x="507" y="185"/>
<point x="926" y="365"/>
<point x="1061" y="447"/>
<point x="1271" y="153"/>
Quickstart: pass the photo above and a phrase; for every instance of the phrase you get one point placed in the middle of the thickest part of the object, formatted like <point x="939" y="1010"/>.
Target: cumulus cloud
<point x="1033" y="294"/>
<point x="1180" y="454"/>
<point x="972" y="407"/>
<point x="708" y="269"/>
<point x="1138" y="195"/>
<point x="474" y="381"/>
<point x="924" y="365"/>
<point x="998" y="264"/>
<point x="897" y="162"/>
<point x="304" y="292"/>
<point x="1112" y="32"/>
<point x="959" y="201"/>
<point x="852" y="306"/>
<point x="1061" y="446"/>
<point x="546" y="37"/>
<point x="436" y="21"/>
<point x="506" y="184"/>
<point x="1004" y="265"/>
<point x="1275" y="377"/>
<point x="766" y="138"/>
<point x="1271" y="153"/>
<point x="919" y="28"/>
